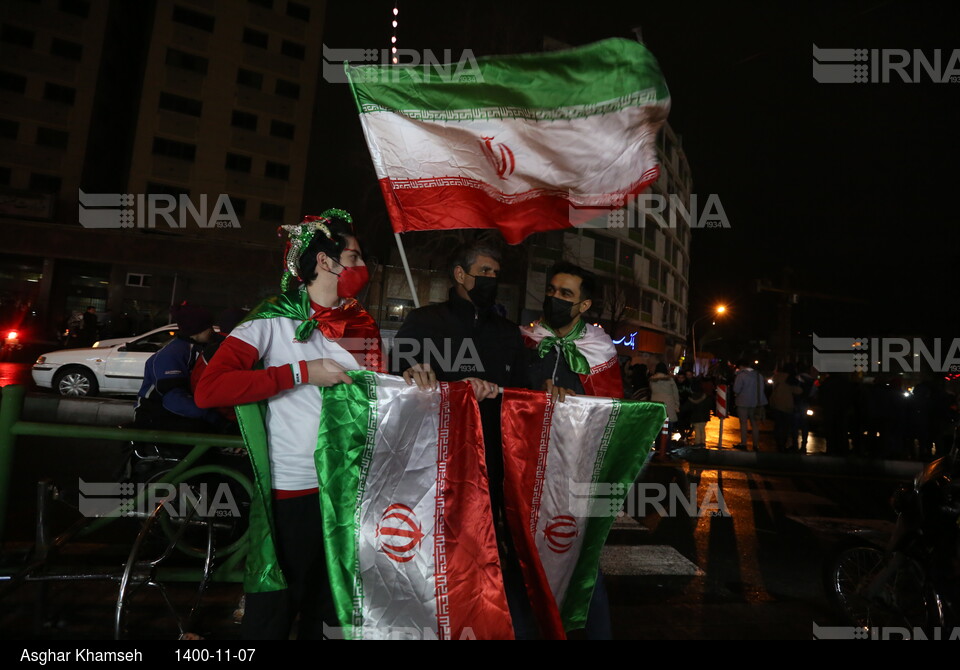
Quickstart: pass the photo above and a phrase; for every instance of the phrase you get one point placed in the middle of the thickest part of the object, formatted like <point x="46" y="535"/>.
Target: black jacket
<point x="460" y="342"/>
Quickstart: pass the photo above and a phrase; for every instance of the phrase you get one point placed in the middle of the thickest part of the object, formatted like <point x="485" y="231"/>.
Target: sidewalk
<point x="722" y="454"/>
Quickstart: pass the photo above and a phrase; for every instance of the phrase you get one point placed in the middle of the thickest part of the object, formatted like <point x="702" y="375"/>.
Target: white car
<point x="110" y="366"/>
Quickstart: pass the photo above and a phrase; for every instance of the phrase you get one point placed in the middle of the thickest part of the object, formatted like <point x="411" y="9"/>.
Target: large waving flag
<point x="406" y="510"/>
<point x="568" y="467"/>
<point x="518" y="141"/>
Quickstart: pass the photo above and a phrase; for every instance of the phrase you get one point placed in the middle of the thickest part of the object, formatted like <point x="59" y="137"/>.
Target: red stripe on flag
<point x="440" y="521"/>
<point x="526" y="434"/>
<point x="450" y="203"/>
<point x="476" y="603"/>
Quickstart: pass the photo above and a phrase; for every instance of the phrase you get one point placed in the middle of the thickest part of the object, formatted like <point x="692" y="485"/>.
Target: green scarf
<point x="292" y="305"/>
<point x="573" y="357"/>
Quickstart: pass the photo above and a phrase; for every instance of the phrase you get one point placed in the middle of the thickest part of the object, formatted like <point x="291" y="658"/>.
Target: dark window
<point x="18" y="36"/>
<point x="48" y="137"/>
<point x="281" y="129"/>
<point x="4" y="176"/>
<point x="76" y="7"/>
<point x="58" y="93"/>
<point x="604" y="250"/>
<point x="239" y="205"/>
<point x="626" y="256"/>
<point x="255" y="38"/>
<point x="174" y="149"/>
<point x="270" y="212"/>
<point x="249" y="78"/>
<point x="239" y="163"/>
<point x="293" y="49"/>
<point x="45" y="183"/>
<point x="288" y="89"/>
<point x="188" y="17"/>
<point x="263" y="3"/>
<point x="185" y="61"/>
<point x="65" y="49"/>
<point x="13" y="82"/>
<point x="157" y="188"/>
<point x="277" y="171"/>
<point x="9" y="129"/>
<point x="177" y="103"/>
<point x="243" y="120"/>
<point x="298" y="11"/>
<point x="650" y="233"/>
<point x="137" y="279"/>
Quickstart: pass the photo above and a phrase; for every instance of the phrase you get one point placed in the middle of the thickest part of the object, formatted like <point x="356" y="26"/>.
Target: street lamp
<point x="719" y="310"/>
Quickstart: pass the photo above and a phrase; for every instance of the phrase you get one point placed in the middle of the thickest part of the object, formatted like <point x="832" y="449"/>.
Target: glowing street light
<point x="718" y="311"/>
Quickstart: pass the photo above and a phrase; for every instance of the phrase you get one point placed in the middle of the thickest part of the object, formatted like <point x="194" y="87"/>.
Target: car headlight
<point x="41" y="360"/>
<point x="96" y="344"/>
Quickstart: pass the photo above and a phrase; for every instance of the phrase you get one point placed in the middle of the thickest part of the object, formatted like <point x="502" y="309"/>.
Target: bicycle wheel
<point x="140" y="570"/>
<point x="220" y="497"/>
<point x="204" y="515"/>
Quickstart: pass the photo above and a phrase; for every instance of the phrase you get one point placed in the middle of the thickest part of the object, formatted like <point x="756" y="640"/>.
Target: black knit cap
<point x="192" y="319"/>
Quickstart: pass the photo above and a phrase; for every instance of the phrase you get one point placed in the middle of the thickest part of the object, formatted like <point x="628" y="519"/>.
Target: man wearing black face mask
<point x="570" y="356"/>
<point x="464" y="338"/>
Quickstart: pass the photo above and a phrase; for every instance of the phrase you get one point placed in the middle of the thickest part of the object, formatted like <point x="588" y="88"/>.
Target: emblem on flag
<point x="399" y="533"/>
<point x="560" y="533"/>
<point x="502" y="160"/>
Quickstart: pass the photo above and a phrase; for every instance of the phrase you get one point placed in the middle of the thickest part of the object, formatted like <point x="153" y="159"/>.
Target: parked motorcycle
<point x="914" y="580"/>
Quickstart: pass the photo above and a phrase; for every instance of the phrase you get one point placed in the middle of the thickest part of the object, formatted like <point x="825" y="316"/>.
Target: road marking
<point x="646" y="560"/>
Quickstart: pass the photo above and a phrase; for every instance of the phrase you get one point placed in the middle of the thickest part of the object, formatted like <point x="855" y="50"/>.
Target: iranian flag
<point x="568" y="468"/>
<point x="408" y="531"/>
<point x="513" y="142"/>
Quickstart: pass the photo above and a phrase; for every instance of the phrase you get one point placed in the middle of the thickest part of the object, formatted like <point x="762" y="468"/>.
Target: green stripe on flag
<point x="631" y="430"/>
<point x="593" y="79"/>
<point x="348" y="424"/>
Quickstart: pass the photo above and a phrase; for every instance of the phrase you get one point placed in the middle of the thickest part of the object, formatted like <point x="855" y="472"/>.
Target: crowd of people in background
<point x="875" y="417"/>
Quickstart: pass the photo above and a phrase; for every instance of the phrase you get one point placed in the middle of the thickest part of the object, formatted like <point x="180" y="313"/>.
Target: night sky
<point x="844" y="190"/>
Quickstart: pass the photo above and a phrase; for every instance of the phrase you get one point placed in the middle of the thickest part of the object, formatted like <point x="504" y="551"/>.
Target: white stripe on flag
<point x="576" y="428"/>
<point x="398" y="516"/>
<point x="585" y="156"/>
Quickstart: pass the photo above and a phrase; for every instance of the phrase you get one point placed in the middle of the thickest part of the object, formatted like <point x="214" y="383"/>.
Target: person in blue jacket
<point x="165" y="400"/>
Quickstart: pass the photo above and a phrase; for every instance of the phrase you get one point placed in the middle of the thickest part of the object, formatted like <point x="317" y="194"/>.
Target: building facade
<point x="198" y="111"/>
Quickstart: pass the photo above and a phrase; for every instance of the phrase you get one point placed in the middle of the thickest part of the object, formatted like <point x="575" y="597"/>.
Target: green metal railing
<point x="11" y="427"/>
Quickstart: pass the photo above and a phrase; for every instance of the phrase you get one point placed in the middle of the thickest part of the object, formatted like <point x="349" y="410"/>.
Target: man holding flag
<point x="270" y="366"/>
<point x="571" y="357"/>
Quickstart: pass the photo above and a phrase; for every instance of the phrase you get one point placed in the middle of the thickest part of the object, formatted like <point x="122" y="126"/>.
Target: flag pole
<point x="406" y="269"/>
